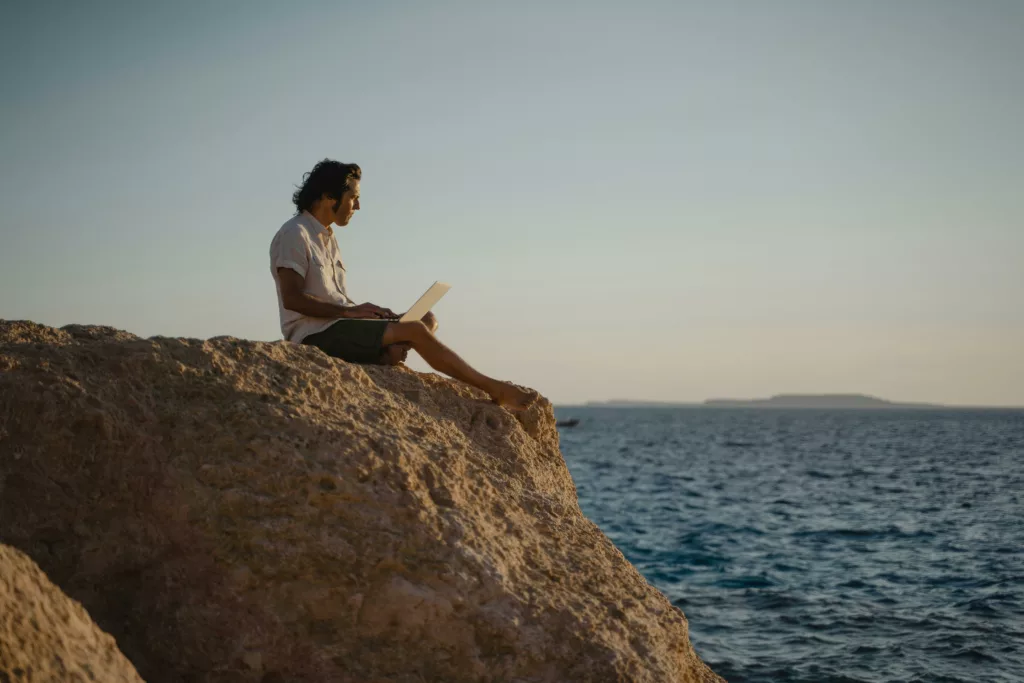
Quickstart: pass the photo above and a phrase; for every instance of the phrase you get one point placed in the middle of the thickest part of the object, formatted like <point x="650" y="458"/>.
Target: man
<point x="315" y="308"/>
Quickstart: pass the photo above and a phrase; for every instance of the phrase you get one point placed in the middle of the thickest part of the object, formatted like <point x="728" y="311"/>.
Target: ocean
<point x="819" y="546"/>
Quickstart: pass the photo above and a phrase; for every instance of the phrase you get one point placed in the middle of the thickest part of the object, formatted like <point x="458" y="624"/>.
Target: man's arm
<point x="295" y="299"/>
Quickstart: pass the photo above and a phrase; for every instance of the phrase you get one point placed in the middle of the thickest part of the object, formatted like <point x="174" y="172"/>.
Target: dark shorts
<point x="355" y="341"/>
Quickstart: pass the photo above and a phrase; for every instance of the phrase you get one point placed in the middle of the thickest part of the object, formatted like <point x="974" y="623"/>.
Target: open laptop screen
<point x="426" y="302"/>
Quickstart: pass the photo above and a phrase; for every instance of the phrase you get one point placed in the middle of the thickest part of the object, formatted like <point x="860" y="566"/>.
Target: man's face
<point x="349" y="204"/>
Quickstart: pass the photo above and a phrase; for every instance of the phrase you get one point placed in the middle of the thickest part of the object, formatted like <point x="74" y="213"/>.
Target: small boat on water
<point x="571" y="422"/>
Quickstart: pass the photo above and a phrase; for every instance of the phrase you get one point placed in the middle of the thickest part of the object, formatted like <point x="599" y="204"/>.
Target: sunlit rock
<point x="245" y="511"/>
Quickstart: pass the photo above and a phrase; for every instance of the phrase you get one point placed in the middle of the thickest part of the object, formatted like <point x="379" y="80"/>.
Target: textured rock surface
<point x="45" y="636"/>
<point x="248" y="511"/>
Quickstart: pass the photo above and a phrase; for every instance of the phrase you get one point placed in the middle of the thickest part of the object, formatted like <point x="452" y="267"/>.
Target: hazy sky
<point x="648" y="200"/>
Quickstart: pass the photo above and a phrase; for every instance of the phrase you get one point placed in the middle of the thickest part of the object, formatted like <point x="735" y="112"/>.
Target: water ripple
<point x="820" y="546"/>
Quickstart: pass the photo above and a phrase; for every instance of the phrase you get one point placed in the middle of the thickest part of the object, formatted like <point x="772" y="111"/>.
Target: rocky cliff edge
<point x="244" y="511"/>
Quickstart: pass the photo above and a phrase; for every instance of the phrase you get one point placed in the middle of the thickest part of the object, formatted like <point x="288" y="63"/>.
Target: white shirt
<point x="308" y="248"/>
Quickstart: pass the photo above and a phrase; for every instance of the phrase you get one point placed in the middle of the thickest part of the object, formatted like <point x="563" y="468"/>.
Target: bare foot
<point x="394" y="354"/>
<point x="512" y="397"/>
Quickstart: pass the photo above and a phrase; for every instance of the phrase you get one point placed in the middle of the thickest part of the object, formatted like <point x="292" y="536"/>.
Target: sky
<point x="652" y="200"/>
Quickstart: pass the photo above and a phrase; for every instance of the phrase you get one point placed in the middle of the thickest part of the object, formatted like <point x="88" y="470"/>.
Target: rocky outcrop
<point x="47" y="637"/>
<point x="246" y="511"/>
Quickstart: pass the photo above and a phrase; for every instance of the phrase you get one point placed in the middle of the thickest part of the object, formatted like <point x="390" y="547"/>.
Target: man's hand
<point x="370" y="311"/>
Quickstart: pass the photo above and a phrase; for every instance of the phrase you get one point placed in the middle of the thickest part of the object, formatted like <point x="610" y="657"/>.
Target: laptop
<point x="426" y="302"/>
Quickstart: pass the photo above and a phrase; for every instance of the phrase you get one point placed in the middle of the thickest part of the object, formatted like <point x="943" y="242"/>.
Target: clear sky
<point x="646" y="200"/>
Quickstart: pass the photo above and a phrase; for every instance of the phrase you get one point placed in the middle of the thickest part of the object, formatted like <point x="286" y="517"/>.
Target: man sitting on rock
<point x="315" y="309"/>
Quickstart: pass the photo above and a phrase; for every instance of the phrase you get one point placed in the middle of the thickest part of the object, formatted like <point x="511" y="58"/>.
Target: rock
<point x="247" y="511"/>
<point x="46" y="636"/>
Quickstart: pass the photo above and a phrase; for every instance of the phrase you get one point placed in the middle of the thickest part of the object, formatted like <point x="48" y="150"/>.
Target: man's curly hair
<point x="328" y="177"/>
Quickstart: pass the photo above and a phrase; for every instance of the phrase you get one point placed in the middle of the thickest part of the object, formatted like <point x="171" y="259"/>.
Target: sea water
<point x="820" y="546"/>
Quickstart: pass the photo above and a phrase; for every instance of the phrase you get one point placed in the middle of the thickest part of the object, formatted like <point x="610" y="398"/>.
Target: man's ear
<point x="328" y="197"/>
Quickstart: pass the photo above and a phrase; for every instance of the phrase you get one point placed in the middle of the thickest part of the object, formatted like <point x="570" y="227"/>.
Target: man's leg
<point x="443" y="359"/>
<point x="395" y="354"/>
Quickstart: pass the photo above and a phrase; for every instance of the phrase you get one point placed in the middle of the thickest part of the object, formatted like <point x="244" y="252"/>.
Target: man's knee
<point x="414" y="332"/>
<point x="420" y="334"/>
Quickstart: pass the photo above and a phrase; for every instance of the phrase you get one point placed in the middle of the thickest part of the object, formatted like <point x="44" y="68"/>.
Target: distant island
<point x="817" y="401"/>
<point x="791" y="401"/>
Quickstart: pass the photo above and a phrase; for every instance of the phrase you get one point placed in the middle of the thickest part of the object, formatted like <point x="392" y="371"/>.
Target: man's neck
<point x="323" y="216"/>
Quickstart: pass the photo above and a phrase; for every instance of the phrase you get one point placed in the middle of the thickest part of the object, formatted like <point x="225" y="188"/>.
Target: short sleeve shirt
<point x="310" y="249"/>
